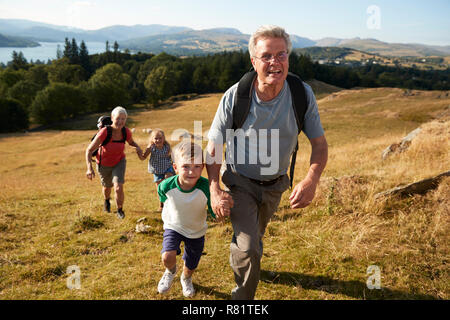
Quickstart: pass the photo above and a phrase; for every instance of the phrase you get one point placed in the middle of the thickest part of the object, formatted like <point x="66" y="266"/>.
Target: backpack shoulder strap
<point x="300" y="105"/>
<point x="299" y="101"/>
<point x="108" y="136"/>
<point x="105" y="142"/>
<point x="124" y="134"/>
<point x="243" y="99"/>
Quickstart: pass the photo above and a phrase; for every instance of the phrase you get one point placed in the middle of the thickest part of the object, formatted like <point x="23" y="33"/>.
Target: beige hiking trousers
<point x="254" y="205"/>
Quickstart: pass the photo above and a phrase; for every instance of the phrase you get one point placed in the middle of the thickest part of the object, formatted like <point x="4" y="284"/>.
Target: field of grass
<point x="51" y="215"/>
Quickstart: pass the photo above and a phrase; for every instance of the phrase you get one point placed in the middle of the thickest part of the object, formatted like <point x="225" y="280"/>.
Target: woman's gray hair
<point x="119" y="110"/>
<point x="268" y="31"/>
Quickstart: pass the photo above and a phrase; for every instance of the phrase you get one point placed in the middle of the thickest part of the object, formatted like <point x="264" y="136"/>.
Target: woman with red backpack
<point x="110" y="157"/>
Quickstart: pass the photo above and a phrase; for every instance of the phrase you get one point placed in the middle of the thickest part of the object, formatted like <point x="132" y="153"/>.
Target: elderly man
<point x="255" y="184"/>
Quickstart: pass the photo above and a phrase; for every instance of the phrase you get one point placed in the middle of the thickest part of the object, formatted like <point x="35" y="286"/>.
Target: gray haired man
<point x="255" y="185"/>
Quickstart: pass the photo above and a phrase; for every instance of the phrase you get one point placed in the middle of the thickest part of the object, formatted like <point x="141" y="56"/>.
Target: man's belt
<point x="266" y="182"/>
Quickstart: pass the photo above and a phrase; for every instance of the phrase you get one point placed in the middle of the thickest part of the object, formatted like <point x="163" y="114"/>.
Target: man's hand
<point x="303" y="194"/>
<point x="221" y="201"/>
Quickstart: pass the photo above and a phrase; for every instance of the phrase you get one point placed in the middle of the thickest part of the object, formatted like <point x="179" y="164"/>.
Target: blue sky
<point x="392" y="21"/>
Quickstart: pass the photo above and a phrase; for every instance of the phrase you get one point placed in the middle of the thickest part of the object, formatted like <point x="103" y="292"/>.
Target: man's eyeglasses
<point x="280" y="57"/>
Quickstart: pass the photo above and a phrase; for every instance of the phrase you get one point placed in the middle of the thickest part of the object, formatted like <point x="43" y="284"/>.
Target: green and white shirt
<point x="185" y="211"/>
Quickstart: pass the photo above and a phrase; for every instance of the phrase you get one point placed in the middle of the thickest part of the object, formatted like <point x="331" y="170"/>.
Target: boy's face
<point x="189" y="171"/>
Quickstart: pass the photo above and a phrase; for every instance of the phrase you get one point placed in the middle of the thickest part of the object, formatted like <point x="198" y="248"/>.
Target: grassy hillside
<point x="190" y="42"/>
<point x="51" y="215"/>
<point x="347" y="55"/>
<point x="395" y="49"/>
<point x="10" y="41"/>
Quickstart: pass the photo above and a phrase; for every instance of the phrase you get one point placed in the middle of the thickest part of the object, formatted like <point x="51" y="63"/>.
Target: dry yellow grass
<point x="51" y="218"/>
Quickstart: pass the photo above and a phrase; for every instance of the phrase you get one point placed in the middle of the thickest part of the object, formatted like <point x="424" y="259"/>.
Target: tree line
<point x="77" y="83"/>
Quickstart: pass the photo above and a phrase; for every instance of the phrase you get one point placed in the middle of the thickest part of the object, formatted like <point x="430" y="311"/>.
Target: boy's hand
<point x="221" y="203"/>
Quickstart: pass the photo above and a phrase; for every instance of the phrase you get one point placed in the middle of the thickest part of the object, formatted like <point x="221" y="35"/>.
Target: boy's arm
<point x="204" y="187"/>
<point x="161" y="192"/>
<point x="210" y="210"/>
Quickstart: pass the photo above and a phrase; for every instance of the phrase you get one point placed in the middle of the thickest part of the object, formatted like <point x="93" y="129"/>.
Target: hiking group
<point x="268" y="99"/>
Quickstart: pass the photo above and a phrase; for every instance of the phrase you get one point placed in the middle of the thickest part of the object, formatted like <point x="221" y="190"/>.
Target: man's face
<point x="274" y="71"/>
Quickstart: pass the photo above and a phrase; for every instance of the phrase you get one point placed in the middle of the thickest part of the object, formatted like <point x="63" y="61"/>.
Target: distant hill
<point x="129" y="32"/>
<point x="200" y="42"/>
<point x="325" y="53"/>
<point x="184" y="40"/>
<point x="300" y="42"/>
<point x="191" y="42"/>
<point x="53" y="33"/>
<point x="385" y="48"/>
<point x="354" y="57"/>
<point x="10" y="41"/>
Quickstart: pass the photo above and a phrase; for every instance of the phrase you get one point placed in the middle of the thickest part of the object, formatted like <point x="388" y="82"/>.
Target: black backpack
<point x="243" y="100"/>
<point x="107" y="140"/>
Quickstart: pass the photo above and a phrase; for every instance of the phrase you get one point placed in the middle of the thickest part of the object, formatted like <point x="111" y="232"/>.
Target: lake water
<point x="47" y="50"/>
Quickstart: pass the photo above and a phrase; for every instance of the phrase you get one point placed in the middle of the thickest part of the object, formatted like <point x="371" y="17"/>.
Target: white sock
<point x="173" y="270"/>
<point x="184" y="277"/>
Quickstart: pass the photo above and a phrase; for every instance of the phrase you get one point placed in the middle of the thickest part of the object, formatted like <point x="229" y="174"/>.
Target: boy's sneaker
<point x="188" y="287"/>
<point x="120" y="214"/>
<point x="107" y="206"/>
<point x="166" y="281"/>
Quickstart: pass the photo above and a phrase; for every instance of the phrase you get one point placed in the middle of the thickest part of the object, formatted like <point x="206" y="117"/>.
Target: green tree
<point x="160" y="84"/>
<point x="84" y="57"/>
<point x="59" y="53"/>
<point x="9" y="78"/>
<point x="201" y="79"/>
<point x="18" y="61"/>
<point x="24" y="91"/>
<point x="108" y="87"/>
<point x="38" y="74"/>
<point x="59" y="101"/>
<point x="13" y="114"/>
<point x="162" y="59"/>
<point x="74" y="52"/>
<point x="62" y="71"/>
<point x="67" y="53"/>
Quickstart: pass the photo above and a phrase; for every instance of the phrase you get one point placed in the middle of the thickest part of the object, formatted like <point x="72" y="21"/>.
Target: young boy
<point x="185" y="197"/>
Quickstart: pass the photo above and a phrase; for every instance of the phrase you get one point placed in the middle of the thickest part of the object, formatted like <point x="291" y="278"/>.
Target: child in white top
<point x="186" y="197"/>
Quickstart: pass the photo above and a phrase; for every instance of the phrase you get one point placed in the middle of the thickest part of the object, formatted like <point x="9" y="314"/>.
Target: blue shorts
<point x="160" y="177"/>
<point x="193" y="248"/>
